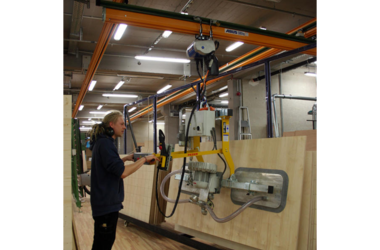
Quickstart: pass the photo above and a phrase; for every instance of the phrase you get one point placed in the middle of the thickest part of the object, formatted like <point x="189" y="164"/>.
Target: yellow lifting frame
<point x="197" y="153"/>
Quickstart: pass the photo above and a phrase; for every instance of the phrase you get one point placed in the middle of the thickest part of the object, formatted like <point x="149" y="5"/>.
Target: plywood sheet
<point x="67" y="198"/>
<point x="311" y="141"/>
<point x="307" y="224"/>
<point x="254" y="228"/>
<point x="138" y="192"/>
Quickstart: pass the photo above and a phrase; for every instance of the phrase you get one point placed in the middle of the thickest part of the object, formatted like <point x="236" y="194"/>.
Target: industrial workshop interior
<point x="223" y="93"/>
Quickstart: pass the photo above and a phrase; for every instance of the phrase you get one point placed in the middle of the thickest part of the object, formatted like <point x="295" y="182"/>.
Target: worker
<point x="107" y="174"/>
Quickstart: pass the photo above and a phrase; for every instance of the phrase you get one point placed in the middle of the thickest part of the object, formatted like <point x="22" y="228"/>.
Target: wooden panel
<point x="138" y="192"/>
<point x="306" y="206"/>
<point x="253" y="227"/>
<point x="67" y="198"/>
<point x="311" y="141"/>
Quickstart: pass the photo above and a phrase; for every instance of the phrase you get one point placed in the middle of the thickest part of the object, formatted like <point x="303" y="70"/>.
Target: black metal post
<point x="125" y="111"/>
<point x="268" y="99"/>
<point x="155" y="124"/>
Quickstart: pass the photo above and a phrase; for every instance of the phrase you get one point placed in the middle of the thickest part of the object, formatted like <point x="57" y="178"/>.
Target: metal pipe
<point x="268" y="8"/>
<point x="267" y="99"/>
<point x="281" y="113"/>
<point x="294" y="66"/>
<point x="295" y="97"/>
<point x="221" y="75"/>
<point x="274" y="119"/>
<point x="233" y="71"/>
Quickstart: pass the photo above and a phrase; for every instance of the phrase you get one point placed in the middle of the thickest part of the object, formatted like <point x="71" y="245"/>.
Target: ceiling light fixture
<point x="223" y="95"/>
<point x="88" y="122"/>
<point x="99" y="107"/>
<point x="263" y="28"/>
<point x="166" y="33"/>
<point x="310" y="74"/>
<point x="81" y="107"/>
<point x="234" y="46"/>
<point x="164" y="88"/>
<point x="119" y="85"/>
<point x="225" y="102"/>
<point x="157" y="122"/>
<point x="120" y="95"/>
<point x="132" y="109"/>
<point x="92" y="85"/>
<point x="120" y="31"/>
<point x="162" y="59"/>
<point x="184" y="13"/>
<point x="84" y="128"/>
<point x="99" y="112"/>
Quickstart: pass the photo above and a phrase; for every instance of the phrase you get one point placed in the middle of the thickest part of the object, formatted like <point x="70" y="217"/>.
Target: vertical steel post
<point x="268" y="99"/>
<point x="155" y="124"/>
<point x="125" y="132"/>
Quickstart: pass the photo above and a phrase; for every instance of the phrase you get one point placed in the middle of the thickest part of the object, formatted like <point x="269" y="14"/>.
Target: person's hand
<point x="128" y="158"/>
<point x="151" y="158"/>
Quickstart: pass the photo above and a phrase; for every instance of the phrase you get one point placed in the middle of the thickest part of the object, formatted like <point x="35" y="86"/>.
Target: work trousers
<point x="105" y="231"/>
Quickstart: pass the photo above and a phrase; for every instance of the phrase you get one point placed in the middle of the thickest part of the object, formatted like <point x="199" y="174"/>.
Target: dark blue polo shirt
<point x="107" y="186"/>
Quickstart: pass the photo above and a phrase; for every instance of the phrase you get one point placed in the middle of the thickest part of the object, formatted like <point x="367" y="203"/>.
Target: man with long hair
<point x="107" y="174"/>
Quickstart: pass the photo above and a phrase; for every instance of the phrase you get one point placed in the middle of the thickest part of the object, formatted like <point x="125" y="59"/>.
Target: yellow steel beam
<point x="104" y="38"/>
<point x="192" y="28"/>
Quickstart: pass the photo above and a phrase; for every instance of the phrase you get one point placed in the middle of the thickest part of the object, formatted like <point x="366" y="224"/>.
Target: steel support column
<point x="268" y="99"/>
<point x="155" y="124"/>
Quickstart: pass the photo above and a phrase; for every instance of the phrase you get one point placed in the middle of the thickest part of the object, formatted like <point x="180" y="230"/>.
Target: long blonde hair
<point x="97" y="129"/>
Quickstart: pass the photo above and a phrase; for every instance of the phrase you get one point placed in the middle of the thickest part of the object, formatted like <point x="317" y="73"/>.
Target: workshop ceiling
<point x="83" y="24"/>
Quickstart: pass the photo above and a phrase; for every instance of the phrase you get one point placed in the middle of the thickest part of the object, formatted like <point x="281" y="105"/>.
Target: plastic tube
<point x="163" y="185"/>
<point x="220" y="220"/>
<point x="234" y="214"/>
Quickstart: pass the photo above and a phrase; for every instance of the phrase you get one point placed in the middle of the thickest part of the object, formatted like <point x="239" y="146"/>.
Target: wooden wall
<point x="67" y="197"/>
<point x="254" y="228"/>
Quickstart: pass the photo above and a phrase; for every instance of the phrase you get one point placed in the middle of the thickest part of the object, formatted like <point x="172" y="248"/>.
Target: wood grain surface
<point x="255" y="228"/>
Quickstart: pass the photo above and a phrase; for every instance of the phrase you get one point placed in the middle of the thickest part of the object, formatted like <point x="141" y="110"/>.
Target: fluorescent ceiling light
<point x="223" y="95"/>
<point x="150" y="49"/>
<point x="184" y="13"/>
<point x="119" y="85"/>
<point x="222" y="88"/>
<point x="224" y="101"/>
<point x="164" y="88"/>
<point x="234" y="46"/>
<point x="162" y="59"/>
<point x="120" y="31"/>
<point x="99" y="112"/>
<point x="157" y="122"/>
<point x="81" y="107"/>
<point x="99" y="107"/>
<point x="132" y="109"/>
<point x="92" y="85"/>
<point x="84" y="128"/>
<point x="263" y="28"/>
<point x="167" y="33"/>
<point x="310" y="74"/>
<point x="88" y="122"/>
<point x="89" y="119"/>
<point x="120" y="95"/>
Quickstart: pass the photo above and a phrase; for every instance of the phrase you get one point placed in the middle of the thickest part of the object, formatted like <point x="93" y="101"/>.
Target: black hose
<point x="86" y="190"/>
<point x="183" y="170"/>
<point x="213" y="134"/>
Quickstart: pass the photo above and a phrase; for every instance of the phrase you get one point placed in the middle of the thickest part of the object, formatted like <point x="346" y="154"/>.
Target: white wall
<point x="294" y="111"/>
